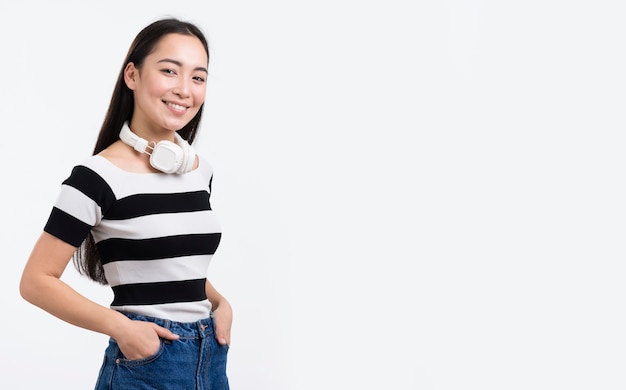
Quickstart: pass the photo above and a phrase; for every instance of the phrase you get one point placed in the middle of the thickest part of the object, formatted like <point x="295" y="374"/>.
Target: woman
<point x="136" y="215"/>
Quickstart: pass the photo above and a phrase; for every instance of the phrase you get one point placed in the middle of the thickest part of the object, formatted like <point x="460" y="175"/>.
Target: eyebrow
<point x="178" y="63"/>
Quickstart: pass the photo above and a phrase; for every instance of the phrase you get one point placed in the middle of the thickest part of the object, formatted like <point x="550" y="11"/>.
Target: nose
<point x="182" y="88"/>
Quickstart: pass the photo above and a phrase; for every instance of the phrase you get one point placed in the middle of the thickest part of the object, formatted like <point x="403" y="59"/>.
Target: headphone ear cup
<point x="167" y="157"/>
<point x="191" y="161"/>
<point x="189" y="155"/>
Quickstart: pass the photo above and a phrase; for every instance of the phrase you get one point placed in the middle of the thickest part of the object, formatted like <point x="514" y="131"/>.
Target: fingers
<point x="221" y="340"/>
<point x="165" y="333"/>
<point x="222" y="329"/>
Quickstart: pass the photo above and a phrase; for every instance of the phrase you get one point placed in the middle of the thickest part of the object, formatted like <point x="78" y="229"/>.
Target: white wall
<point x="415" y="195"/>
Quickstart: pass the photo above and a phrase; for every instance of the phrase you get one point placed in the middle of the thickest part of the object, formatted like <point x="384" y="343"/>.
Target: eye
<point x="199" y="78"/>
<point x="168" y="71"/>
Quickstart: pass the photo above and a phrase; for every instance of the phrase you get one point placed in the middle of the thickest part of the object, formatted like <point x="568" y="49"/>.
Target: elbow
<point x="25" y="290"/>
<point x="28" y="288"/>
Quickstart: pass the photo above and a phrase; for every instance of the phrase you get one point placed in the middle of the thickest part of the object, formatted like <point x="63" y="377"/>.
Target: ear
<point x="130" y="74"/>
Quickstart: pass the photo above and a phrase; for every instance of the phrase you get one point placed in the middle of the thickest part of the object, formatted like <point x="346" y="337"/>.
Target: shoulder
<point x="96" y="163"/>
<point x="91" y="168"/>
<point x="89" y="178"/>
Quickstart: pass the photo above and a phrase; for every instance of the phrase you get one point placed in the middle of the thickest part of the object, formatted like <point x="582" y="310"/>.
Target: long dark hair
<point x="86" y="259"/>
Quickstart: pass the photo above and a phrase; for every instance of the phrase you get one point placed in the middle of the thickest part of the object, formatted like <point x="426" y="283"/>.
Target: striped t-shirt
<point x="155" y="233"/>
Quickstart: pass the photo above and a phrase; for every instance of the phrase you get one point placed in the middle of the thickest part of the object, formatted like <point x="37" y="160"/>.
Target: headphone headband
<point x="166" y="156"/>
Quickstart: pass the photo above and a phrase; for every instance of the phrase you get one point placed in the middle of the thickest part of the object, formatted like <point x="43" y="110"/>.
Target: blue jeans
<point x="195" y="361"/>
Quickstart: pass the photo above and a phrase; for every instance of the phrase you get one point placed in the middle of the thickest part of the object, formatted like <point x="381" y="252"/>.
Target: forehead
<point x="187" y="49"/>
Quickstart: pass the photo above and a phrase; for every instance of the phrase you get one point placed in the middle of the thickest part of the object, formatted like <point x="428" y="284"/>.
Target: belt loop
<point x="201" y="328"/>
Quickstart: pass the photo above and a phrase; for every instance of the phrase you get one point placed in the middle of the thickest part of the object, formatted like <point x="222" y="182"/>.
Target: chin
<point x="176" y="125"/>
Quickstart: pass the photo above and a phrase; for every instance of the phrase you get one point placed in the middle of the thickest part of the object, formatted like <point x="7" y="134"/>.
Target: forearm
<point x="217" y="300"/>
<point x="57" y="298"/>
<point x="223" y="314"/>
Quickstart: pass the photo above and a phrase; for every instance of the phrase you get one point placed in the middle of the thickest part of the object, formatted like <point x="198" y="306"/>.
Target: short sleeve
<point x="78" y="207"/>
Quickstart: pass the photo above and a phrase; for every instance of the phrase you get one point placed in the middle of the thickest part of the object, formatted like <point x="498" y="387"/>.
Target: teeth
<point x="176" y="106"/>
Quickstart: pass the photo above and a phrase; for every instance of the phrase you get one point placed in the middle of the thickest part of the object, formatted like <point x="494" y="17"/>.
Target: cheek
<point x="160" y="87"/>
<point x="156" y="86"/>
<point x="199" y="95"/>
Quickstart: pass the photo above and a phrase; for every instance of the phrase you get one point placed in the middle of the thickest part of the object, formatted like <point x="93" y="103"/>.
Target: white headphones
<point x="166" y="156"/>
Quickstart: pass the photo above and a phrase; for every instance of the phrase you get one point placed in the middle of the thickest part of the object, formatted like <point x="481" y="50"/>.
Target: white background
<point x="414" y="195"/>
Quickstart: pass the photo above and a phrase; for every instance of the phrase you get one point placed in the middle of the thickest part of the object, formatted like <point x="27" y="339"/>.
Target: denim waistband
<point x="196" y="329"/>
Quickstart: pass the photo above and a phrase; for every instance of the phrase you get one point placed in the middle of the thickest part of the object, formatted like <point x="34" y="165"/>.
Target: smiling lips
<point x="176" y="107"/>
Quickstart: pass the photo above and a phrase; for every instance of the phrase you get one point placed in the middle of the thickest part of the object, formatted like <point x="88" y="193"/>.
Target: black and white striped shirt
<point x="155" y="232"/>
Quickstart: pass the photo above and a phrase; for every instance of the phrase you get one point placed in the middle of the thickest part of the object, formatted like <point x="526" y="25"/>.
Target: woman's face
<point x="170" y="87"/>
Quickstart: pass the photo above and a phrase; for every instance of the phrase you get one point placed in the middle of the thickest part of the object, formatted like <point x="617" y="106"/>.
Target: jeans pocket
<point x="139" y="362"/>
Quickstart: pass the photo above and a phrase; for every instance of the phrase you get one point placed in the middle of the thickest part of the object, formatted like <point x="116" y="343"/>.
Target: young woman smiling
<point x="137" y="216"/>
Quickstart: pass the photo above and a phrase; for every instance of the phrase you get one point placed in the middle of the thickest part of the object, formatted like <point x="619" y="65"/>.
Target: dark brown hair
<point x="86" y="259"/>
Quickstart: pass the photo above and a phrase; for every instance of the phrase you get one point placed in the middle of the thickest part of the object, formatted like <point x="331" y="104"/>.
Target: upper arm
<point x="49" y="257"/>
